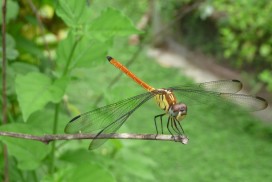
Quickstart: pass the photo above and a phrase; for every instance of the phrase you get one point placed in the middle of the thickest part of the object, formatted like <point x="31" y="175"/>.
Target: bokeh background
<point x="57" y="69"/>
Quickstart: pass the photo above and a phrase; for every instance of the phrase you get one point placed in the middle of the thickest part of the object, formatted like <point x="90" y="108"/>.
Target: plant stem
<point x="4" y="96"/>
<point x="4" y="65"/>
<point x="66" y="69"/>
<point x="55" y="128"/>
<point x="57" y="107"/>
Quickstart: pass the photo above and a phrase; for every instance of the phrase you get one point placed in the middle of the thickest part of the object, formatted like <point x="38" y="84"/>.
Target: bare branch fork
<point x="48" y="138"/>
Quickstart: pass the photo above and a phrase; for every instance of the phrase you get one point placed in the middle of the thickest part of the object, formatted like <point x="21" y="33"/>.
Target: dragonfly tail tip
<point x="234" y="80"/>
<point x="109" y="58"/>
<point x="265" y="103"/>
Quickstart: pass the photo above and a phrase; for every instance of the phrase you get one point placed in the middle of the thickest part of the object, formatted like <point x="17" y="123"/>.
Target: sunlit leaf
<point x="73" y="12"/>
<point x="111" y="23"/>
<point x="64" y="49"/>
<point x="57" y="89"/>
<point x="86" y="52"/>
<point x="90" y="53"/>
<point x="35" y="90"/>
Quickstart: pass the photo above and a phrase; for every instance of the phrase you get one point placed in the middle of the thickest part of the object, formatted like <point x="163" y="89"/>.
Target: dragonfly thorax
<point x="165" y="99"/>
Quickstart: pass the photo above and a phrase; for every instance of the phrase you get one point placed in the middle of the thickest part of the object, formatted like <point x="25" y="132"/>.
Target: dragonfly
<point x="108" y="119"/>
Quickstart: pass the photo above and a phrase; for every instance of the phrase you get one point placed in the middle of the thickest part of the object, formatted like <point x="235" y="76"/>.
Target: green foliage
<point x="40" y="83"/>
<point x="82" y="172"/>
<point x="28" y="153"/>
<point x="266" y="76"/>
<point x="86" y="52"/>
<point x="102" y="28"/>
<point x="237" y="32"/>
<point x="246" y="29"/>
<point x="38" y="91"/>
<point x="73" y="13"/>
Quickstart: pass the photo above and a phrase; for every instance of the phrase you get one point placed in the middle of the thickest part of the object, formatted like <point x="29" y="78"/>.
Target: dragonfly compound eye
<point x="178" y="110"/>
<point x="182" y="110"/>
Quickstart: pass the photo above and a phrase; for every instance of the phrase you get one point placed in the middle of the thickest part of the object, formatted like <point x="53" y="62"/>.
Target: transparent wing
<point x="107" y="119"/>
<point x="217" y="91"/>
<point x="222" y="86"/>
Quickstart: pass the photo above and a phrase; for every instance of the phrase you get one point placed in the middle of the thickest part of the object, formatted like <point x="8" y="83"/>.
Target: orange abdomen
<point x="129" y="74"/>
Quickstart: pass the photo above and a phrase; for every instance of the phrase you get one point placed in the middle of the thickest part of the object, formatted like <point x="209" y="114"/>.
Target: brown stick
<point x="4" y="96"/>
<point x="48" y="138"/>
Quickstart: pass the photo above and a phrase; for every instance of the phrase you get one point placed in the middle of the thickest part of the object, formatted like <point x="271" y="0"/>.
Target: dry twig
<point x="48" y="138"/>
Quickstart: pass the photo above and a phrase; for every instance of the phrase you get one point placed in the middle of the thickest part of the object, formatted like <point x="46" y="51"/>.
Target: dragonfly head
<point x="178" y="110"/>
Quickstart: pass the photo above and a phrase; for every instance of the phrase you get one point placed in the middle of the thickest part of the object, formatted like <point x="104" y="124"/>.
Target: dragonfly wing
<point x="110" y="129"/>
<point x="107" y="119"/>
<point x="222" y="86"/>
<point x="251" y="103"/>
<point x="215" y="92"/>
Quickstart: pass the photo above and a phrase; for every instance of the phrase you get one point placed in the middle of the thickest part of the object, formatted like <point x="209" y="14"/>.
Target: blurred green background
<point x="57" y="69"/>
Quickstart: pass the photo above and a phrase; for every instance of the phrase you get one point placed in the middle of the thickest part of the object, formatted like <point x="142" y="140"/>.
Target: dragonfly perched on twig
<point x="108" y="119"/>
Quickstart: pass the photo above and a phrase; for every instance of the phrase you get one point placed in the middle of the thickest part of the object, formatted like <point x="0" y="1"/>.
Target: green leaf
<point x="44" y="120"/>
<point x="83" y="156"/>
<point x="64" y="49"/>
<point x="12" y="53"/>
<point x="73" y="12"/>
<point x="86" y="54"/>
<point x="35" y="90"/>
<point x="89" y="53"/>
<point x="57" y="89"/>
<point x="138" y="162"/>
<point x="29" y="153"/>
<point x="23" y="68"/>
<point x="111" y="23"/>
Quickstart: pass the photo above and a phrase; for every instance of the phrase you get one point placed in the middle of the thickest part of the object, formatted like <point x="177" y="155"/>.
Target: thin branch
<point x="4" y="64"/>
<point x="48" y="138"/>
<point x="4" y="94"/>
<point x="40" y="24"/>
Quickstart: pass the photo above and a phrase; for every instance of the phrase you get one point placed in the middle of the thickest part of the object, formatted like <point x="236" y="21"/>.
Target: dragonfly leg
<point x="161" y="125"/>
<point x="174" y="126"/>
<point x="180" y="126"/>
<point x="175" y="121"/>
<point x="155" y="120"/>
<point x="168" y="122"/>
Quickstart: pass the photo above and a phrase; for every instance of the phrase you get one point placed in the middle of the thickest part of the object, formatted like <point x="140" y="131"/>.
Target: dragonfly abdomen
<point x="130" y="74"/>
